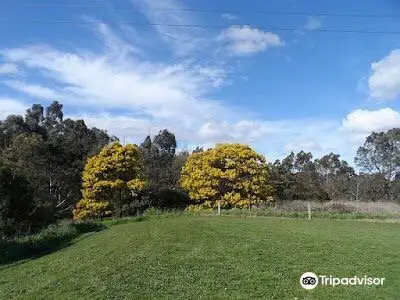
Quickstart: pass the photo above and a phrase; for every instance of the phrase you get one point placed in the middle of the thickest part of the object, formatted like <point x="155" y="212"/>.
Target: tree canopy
<point x="110" y="179"/>
<point x="381" y="154"/>
<point x="49" y="153"/>
<point x="232" y="174"/>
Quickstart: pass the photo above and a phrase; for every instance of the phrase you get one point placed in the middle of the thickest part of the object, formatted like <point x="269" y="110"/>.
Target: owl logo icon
<point x="309" y="280"/>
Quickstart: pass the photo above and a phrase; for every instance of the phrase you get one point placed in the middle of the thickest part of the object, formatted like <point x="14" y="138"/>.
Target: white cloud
<point x="173" y="96"/>
<point x="365" y="121"/>
<point x="247" y="41"/>
<point x="116" y="45"/>
<point x="275" y="139"/>
<point x="132" y="97"/>
<point x="184" y="40"/>
<point x="313" y="23"/>
<point x="214" y="74"/>
<point x="36" y="91"/>
<point x="156" y="96"/>
<point x="10" y="106"/>
<point x="305" y="145"/>
<point x="154" y="88"/>
<point x="242" y="131"/>
<point x="228" y="16"/>
<point x="8" y="69"/>
<point x="384" y="81"/>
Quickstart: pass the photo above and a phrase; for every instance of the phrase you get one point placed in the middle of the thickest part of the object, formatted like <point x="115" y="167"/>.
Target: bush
<point x="295" y="205"/>
<point x="46" y="241"/>
<point x="171" y="198"/>
<point x="339" y="207"/>
<point x="152" y="211"/>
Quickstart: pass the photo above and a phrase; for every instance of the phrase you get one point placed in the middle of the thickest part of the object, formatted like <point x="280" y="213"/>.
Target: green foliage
<point x="46" y="241"/>
<point x="162" y="168"/>
<point x="17" y="214"/>
<point x="233" y="174"/>
<point x="336" y="176"/>
<point x="50" y="153"/>
<point x="158" y="157"/>
<point x="299" y="177"/>
<point x="110" y="179"/>
<point x="380" y="155"/>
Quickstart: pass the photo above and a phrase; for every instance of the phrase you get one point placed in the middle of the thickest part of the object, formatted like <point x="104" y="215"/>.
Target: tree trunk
<point x="120" y="203"/>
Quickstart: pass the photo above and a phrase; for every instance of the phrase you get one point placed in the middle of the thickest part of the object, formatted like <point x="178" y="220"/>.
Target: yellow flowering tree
<point x="110" y="179"/>
<point x="230" y="175"/>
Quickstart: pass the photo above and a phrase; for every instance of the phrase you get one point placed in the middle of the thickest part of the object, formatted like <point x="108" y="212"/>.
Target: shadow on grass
<point x="47" y="241"/>
<point x="113" y="222"/>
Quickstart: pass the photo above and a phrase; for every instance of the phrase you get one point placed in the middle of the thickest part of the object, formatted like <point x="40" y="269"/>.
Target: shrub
<point x="339" y="207"/>
<point x="296" y="205"/>
<point x="48" y="240"/>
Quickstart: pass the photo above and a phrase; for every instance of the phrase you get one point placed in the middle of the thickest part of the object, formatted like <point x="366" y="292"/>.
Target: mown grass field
<point x="197" y="257"/>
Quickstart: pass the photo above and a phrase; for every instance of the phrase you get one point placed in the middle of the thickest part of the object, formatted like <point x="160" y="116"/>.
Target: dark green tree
<point x="51" y="153"/>
<point x="380" y="154"/>
<point x="296" y="178"/>
<point x="336" y="176"/>
<point x="198" y="150"/>
<point x="54" y="114"/>
<point x="17" y="210"/>
<point x="10" y="128"/>
<point x="162" y="168"/>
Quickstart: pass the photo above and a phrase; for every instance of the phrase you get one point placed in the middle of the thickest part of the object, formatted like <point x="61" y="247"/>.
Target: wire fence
<point x="325" y="210"/>
<point x="340" y="206"/>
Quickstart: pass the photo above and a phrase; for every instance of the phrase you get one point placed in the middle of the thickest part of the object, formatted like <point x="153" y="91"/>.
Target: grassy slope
<point x="190" y="257"/>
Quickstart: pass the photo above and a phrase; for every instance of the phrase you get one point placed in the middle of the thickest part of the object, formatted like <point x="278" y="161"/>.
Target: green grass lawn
<point x="195" y="257"/>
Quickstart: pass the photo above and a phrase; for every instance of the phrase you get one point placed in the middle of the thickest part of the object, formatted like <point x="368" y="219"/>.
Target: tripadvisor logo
<point x="310" y="280"/>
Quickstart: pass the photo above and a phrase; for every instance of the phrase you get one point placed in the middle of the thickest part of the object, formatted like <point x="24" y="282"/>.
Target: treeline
<point x="300" y="177"/>
<point x="43" y="156"/>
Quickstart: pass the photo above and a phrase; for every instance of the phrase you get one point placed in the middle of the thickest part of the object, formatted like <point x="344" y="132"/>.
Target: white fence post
<point x="309" y="210"/>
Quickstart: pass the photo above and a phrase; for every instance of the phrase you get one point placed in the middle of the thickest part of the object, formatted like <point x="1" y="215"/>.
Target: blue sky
<point x="259" y="72"/>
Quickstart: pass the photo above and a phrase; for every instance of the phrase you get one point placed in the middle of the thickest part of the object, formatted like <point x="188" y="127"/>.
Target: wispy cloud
<point x="153" y="96"/>
<point x="242" y="41"/>
<point x="170" y="95"/>
<point x="34" y="90"/>
<point x="305" y="145"/>
<point x="184" y="40"/>
<point x="120" y="88"/>
<point x="313" y="23"/>
<point x="8" y="69"/>
<point x="227" y="16"/>
<point x="116" y="45"/>
<point x="9" y="106"/>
